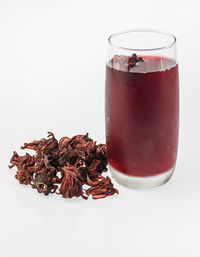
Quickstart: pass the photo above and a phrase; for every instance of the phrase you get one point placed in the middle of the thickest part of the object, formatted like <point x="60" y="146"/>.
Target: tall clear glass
<point x="142" y="107"/>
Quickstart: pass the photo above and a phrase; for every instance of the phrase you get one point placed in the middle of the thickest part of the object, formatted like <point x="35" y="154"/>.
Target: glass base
<point x="141" y="182"/>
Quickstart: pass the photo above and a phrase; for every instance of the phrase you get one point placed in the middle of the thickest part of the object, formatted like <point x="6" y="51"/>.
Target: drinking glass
<point x="142" y="107"/>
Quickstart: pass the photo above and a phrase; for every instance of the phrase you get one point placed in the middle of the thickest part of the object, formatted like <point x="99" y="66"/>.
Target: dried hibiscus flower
<point x="100" y="188"/>
<point x="70" y="185"/>
<point x="66" y="165"/>
<point x="134" y="60"/>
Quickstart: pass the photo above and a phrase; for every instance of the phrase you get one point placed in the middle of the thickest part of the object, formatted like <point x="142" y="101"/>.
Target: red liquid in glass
<point x="142" y="114"/>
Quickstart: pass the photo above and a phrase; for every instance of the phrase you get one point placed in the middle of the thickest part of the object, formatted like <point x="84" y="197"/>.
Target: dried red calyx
<point x="44" y="184"/>
<point x="100" y="188"/>
<point x="66" y="165"/>
<point x="71" y="185"/>
<point x="133" y="60"/>
<point x="23" y="164"/>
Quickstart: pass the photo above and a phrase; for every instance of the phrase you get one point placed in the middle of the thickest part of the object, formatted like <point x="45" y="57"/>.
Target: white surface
<point x="52" y="72"/>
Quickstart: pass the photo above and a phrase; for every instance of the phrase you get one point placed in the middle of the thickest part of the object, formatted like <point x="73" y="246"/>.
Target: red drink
<point x="142" y="114"/>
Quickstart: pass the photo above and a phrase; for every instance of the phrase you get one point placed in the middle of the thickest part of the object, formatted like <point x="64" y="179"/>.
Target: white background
<point x="52" y="73"/>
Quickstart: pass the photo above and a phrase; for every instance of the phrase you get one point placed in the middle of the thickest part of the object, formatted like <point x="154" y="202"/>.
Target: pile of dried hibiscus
<point x="66" y="165"/>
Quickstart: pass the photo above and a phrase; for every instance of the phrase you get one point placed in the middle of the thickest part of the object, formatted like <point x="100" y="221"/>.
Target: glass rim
<point x="142" y="30"/>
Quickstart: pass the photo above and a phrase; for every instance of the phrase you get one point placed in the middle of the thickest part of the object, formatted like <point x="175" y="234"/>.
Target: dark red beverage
<point x="142" y="115"/>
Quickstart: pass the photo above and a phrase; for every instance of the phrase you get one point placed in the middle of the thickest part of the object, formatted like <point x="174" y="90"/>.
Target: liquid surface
<point x="142" y="113"/>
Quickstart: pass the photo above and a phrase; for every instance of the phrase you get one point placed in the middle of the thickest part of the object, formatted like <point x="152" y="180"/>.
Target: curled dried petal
<point x="64" y="142"/>
<point x="23" y="175"/>
<point x="103" y="188"/>
<point x="91" y="182"/>
<point x="70" y="185"/>
<point x="32" y="146"/>
<point x="92" y="169"/>
<point x="17" y="160"/>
